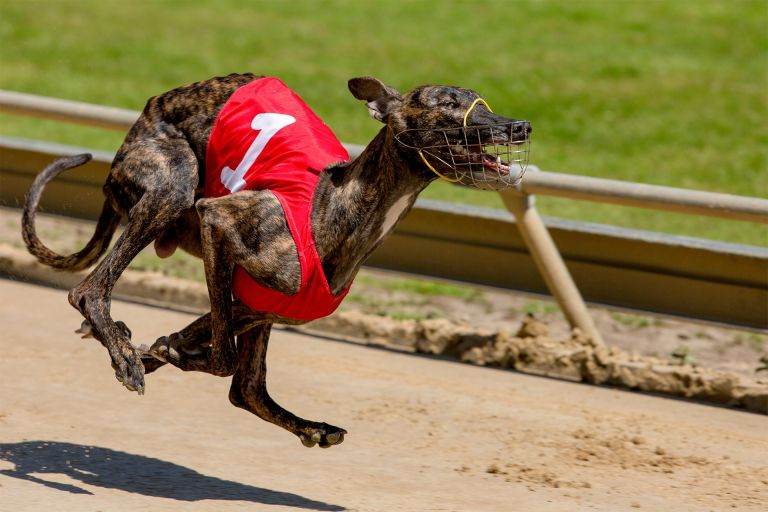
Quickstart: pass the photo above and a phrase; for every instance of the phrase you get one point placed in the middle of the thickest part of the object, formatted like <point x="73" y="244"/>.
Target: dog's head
<point x="451" y="131"/>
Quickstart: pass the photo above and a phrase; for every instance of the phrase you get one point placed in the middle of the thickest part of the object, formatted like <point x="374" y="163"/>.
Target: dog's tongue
<point x="497" y="165"/>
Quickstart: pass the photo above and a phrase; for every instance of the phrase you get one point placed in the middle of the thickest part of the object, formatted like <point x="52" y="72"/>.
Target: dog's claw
<point x="306" y="441"/>
<point x="317" y="436"/>
<point x="332" y="439"/>
<point x="335" y="438"/>
<point x="85" y="329"/>
<point x="132" y="383"/>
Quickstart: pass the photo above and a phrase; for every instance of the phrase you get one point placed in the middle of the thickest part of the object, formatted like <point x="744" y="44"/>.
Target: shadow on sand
<point x="103" y="467"/>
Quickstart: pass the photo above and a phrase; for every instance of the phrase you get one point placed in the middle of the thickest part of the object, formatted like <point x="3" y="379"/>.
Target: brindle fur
<point x="156" y="181"/>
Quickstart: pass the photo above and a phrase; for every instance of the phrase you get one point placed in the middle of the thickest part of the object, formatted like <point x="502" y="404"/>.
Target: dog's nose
<point x="521" y="128"/>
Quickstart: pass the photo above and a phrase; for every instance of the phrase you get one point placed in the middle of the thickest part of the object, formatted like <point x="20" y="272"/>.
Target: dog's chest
<point x="394" y="213"/>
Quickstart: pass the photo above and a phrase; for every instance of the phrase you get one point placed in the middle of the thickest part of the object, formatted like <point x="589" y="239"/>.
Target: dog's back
<point x="188" y="111"/>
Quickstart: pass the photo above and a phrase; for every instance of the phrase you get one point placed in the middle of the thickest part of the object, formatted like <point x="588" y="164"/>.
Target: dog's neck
<point x="358" y="203"/>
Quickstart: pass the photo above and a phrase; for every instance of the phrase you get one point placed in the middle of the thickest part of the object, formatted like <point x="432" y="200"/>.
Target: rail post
<point x="550" y="263"/>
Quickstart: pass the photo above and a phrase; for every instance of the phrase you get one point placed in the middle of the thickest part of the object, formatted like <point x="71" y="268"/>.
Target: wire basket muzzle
<point x="486" y="157"/>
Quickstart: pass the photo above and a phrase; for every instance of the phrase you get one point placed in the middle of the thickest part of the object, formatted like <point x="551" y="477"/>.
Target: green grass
<point x="635" y="322"/>
<point x="540" y="308"/>
<point x="682" y="356"/>
<point x="751" y="339"/>
<point x="422" y="287"/>
<point x="663" y="92"/>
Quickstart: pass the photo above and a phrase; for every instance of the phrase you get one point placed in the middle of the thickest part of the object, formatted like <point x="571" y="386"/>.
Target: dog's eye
<point x="449" y="103"/>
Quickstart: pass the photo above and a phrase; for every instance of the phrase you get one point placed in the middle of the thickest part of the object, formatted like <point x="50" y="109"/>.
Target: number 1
<point x="269" y="125"/>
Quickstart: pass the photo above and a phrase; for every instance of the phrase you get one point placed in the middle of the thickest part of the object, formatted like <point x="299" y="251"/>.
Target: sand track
<point x="424" y="433"/>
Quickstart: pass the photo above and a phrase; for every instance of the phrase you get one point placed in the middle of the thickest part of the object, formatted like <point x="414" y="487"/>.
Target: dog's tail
<point x="105" y="228"/>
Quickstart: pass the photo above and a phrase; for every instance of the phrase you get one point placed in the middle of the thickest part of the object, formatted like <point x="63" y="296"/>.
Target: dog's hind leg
<point x="155" y="180"/>
<point x="249" y="392"/>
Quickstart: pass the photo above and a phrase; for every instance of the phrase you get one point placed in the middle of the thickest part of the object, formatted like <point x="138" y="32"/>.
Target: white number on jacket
<point x="269" y="125"/>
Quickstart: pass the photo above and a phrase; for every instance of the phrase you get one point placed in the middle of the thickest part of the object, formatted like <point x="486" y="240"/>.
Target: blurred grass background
<point x="665" y="92"/>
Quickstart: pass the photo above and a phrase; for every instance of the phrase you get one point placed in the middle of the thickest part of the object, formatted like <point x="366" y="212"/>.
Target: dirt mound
<point x="576" y="358"/>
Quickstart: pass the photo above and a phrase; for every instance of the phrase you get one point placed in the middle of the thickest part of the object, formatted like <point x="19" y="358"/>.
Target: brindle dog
<point x="156" y="180"/>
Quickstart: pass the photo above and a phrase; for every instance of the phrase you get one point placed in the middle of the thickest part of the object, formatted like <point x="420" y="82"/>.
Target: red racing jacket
<point x="267" y="138"/>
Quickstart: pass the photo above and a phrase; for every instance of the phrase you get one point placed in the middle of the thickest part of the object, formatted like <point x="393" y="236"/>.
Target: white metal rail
<point x="542" y="183"/>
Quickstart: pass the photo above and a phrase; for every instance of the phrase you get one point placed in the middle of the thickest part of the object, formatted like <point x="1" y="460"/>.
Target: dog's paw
<point x="150" y="362"/>
<point x="165" y="349"/>
<point x="324" y="436"/>
<point x="129" y="369"/>
<point x="175" y="349"/>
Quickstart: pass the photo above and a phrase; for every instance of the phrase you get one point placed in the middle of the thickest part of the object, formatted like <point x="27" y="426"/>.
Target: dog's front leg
<point x="218" y="276"/>
<point x="249" y="392"/>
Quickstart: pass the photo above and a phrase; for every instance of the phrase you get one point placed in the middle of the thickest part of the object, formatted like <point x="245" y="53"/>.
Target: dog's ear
<point x="381" y="98"/>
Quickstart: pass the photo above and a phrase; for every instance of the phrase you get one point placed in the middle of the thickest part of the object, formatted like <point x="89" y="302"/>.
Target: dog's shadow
<point x="103" y="467"/>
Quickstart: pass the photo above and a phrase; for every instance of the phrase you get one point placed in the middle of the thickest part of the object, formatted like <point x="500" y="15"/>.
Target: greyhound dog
<point x="159" y="180"/>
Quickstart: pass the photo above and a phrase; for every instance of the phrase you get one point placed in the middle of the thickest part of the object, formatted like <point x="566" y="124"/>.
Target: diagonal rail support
<point x="550" y="263"/>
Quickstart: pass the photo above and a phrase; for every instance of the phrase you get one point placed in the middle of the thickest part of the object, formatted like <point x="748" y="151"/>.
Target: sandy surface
<point x="424" y="433"/>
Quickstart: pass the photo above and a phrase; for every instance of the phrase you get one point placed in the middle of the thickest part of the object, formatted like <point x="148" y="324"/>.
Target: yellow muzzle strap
<point x="464" y="124"/>
<point x="441" y="176"/>
<point x="473" y="105"/>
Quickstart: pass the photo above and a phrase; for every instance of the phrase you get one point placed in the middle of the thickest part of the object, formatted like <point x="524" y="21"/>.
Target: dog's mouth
<point x="489" y="157"/>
